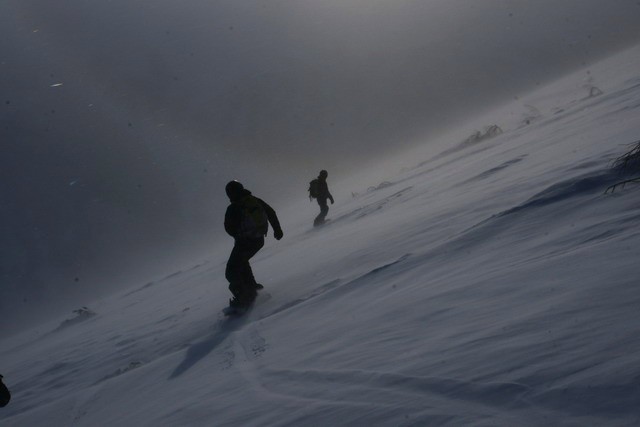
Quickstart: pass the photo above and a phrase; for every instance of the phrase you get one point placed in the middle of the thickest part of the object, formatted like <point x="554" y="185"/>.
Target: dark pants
<point x="242" y="284"/>
<point x="324" y="210"/>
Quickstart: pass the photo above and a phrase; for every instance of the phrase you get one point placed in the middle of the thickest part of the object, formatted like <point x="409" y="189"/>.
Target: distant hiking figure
<point x="319" y="190"/>
<point x="5" y="396"/>
<point x="247" y="220"/>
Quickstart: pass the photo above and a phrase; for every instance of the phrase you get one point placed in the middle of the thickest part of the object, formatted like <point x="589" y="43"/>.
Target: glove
<point x="278" y="234"/>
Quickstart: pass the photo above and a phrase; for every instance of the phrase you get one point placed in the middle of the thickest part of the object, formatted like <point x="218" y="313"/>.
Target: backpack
<point x="253" y="222"/>
<point x="314" y="191"/>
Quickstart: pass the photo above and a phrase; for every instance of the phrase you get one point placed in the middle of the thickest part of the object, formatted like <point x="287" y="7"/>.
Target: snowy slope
<point x="495" y="285"/>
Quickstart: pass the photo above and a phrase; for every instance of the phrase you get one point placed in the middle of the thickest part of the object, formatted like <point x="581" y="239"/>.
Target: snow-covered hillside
<point x="493" y="285"/>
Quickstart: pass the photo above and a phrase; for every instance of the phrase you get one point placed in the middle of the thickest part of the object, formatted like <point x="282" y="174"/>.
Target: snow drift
<point x="493" y="285"/>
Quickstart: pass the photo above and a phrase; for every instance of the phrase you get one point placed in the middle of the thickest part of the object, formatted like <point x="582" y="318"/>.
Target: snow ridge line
<point x="335" y="286"/>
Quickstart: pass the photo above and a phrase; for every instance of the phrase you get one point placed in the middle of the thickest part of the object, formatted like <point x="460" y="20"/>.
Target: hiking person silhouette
<point x="322" y="194"/>
<point x="247" y="220"/>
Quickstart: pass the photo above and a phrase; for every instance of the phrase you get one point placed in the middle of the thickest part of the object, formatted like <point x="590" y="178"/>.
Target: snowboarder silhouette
<point x="320" y="191"/>
<point x="247" y="220"/>
<point x="5" y="396"/>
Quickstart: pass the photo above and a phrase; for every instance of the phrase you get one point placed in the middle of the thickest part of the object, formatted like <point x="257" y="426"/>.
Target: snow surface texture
<point x="495" y="285"/>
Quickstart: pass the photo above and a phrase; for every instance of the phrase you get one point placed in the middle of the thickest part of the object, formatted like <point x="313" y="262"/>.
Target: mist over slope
<point x="121" y="121"/>
<point x="492" y="285"/>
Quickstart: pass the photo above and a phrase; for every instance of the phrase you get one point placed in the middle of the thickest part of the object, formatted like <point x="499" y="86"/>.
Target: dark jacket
<point x="323" y="190"/>
<point x="233" y="218"/>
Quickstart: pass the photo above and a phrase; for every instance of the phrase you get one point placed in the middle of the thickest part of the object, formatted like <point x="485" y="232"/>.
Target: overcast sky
<point x="121" y="120"/>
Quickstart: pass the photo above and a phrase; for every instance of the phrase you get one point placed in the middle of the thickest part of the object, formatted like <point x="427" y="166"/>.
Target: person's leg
<point x="248" y="280"/>
<point x="242" y="283"/>
<point x="324" y="210"/>
<point x="234" y="269"/>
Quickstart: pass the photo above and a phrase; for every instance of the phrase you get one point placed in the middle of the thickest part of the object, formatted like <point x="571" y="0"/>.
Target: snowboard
<point x="320" y="224"/>
<point x="241" y="311"/>
<point x="230" y="311"/>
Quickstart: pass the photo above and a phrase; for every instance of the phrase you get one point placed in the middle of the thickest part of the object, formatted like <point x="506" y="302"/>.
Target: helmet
<point x="234" y="189"/>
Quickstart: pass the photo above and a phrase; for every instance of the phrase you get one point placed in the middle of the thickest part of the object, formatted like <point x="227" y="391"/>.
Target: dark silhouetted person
<point x="5" y="396"/>
<point x="247" y="220"/>
<point x="322" y="194"/>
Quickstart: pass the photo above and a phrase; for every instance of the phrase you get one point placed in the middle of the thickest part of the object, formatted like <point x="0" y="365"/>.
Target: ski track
<point x="227" y="327"/>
